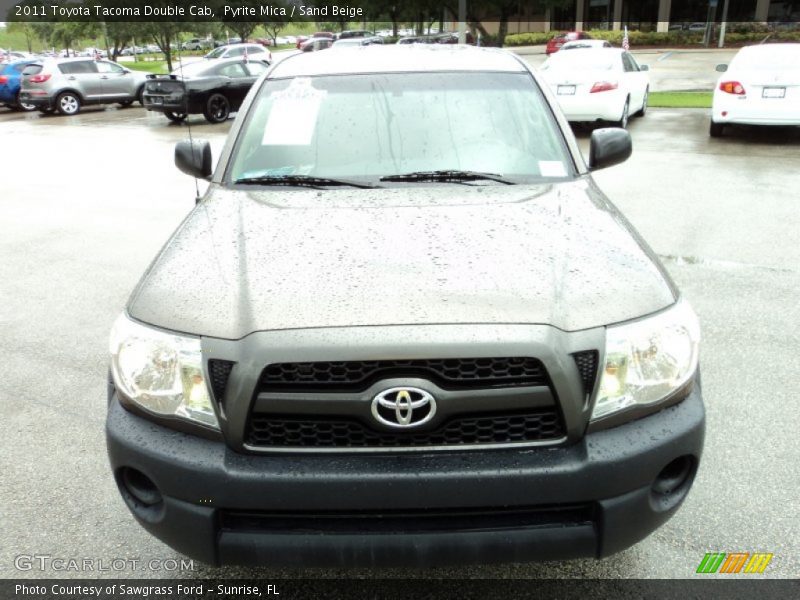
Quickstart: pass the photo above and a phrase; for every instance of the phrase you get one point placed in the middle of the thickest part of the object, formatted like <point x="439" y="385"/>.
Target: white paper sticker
<point x="293" y="115"/>
<point x="552" y="168"/>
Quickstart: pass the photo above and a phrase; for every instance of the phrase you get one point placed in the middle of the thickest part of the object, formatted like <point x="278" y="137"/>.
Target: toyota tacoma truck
<point x="403" y="326"/>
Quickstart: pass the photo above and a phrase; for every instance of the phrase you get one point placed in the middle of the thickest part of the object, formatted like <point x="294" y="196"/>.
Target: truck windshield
<point x="366" y="127"/>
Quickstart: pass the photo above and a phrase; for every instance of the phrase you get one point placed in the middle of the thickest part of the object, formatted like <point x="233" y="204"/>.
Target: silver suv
<point x="197" y="44"/>
<point x="66" y="84"/>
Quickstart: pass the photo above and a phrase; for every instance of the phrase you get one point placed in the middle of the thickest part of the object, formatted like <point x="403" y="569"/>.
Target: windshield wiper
<point x="448" y="176"/>
<point x="301" y="180"/>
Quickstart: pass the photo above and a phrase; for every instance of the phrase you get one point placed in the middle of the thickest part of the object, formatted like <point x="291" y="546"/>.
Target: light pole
<point x="462" y="21"/>
<point x="724" y="24"/>
<point x="709" y="34"/>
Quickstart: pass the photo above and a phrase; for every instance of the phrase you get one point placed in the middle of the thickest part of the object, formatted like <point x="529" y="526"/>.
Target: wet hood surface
<point x="270" y="259"/>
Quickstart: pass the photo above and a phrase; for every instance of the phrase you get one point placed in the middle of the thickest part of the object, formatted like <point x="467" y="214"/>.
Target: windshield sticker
<point x="552" y="168"/>
<point x="293" y="117"/>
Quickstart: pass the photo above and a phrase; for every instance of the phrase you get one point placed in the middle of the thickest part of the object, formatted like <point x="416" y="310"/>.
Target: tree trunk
<point x="502" y="29"/>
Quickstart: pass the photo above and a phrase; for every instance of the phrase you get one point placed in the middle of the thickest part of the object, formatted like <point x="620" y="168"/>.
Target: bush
<point x="741" y="33"/>
<point x="528" y="39"/>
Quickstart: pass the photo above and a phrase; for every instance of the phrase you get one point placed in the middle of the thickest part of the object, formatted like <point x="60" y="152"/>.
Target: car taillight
<point x="3" y="79"/>
<point x="732" y="87"/>
<point x="40" y="78"/>
<point x="604" y="86"/>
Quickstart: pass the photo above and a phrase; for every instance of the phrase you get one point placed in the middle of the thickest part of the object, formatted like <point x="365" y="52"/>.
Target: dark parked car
<point x="355" y="33"/>
<point x="316" y="44"/>
<point x="554" y="45"/>
<point x="373" y="344"/>
<point x="436" y="38"/>
<point x="319" y="34"/>
<point x="214" y="89"/>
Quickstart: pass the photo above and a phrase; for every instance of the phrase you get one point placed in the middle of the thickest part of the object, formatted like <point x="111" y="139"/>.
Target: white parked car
<point x="598" y="84"/>
<point x="761" y="86"/>
<point x="579" y="44"/>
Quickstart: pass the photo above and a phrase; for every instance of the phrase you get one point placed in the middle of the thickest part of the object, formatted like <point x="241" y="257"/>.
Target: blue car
<point x="10" y="81"/>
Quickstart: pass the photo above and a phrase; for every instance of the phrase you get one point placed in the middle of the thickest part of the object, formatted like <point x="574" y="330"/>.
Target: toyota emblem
<point x="403" y="407"/>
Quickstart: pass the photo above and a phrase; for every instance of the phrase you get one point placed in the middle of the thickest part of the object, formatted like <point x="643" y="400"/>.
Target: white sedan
<point x="760" y="87"/>
<point x="581" y="44"/>
<point x="598" y="84"/>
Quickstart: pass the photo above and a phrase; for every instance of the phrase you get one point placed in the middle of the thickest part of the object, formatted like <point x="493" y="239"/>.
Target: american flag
<point x="626" y="43"/>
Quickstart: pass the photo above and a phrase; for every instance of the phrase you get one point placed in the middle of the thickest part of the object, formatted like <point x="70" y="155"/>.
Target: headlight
<point x="648" y="360"/>
<point x="161" y="372"/>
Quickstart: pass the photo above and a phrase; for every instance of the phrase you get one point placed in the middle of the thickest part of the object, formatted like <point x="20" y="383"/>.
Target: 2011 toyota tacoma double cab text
<point x="403" y="326"/>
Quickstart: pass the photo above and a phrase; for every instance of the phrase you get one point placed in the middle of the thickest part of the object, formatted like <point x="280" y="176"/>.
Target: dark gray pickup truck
<point x="404" y="327"/>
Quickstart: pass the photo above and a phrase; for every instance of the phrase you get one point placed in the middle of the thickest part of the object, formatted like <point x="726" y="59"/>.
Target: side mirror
<point x="194" y="158"/>
<point x="722" y="68"/>
<point x="644" y="68"/>
<point x="608" y="147"/>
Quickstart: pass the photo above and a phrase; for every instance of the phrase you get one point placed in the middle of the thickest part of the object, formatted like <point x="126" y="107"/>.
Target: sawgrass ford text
<point x="144" y="591"/>
<point x="233" y="11"/>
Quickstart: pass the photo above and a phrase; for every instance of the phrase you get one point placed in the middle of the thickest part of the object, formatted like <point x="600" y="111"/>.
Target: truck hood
<point x="246" y="261"/>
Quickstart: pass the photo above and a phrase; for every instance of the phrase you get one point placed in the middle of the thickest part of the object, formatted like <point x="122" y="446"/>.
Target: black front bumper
<point x="590" y="499"/>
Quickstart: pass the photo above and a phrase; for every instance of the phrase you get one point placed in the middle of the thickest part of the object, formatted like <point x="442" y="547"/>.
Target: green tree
<point x="163" y="34"/>
<point x="26" y="29"/>
<point x="119" y="35"/>
<point x="65" y="33"/>
<point x="242" y="29"/>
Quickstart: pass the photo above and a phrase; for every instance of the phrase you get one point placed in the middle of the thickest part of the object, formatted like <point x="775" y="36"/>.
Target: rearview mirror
<point x="194" y="158"/>
<point x="722" y="68"/>
<point x="609" y="146"/>
<point x="644" y="68"/>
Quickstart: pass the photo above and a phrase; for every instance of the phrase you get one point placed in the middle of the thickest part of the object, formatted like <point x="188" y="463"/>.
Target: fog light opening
<point x="140" y="487"/>
<point x="673" y="476"/>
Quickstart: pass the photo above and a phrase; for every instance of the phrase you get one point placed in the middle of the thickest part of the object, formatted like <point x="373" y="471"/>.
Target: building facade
<point x="647" y="15"/>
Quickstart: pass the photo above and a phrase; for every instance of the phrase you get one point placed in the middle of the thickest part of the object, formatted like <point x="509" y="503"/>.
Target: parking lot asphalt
<point x="87" y="201"/>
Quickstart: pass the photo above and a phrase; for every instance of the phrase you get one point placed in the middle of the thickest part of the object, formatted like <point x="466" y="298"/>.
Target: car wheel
<point x="716" y="129"/>
<point x="643" y="111"/>
<point x="140" y="96"/>
<point x="217" y="109"/>
<point x="68" y="103"/>
<point x="175" y="117"/>
<point x="623" y="120"/>
<point x="22" y="106"/>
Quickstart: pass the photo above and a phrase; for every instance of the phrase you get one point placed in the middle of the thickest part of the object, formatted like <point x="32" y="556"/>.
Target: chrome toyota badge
<point x="403" y="407"/>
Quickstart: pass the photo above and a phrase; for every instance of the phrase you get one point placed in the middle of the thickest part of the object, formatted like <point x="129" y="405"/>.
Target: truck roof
<point x="397" y="59"/>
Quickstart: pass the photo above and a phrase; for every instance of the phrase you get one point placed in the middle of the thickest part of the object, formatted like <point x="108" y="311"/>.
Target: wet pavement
<point x="87" y="201"/>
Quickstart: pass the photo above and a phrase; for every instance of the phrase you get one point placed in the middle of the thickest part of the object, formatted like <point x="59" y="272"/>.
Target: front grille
<point x="303" y="431"/>
<point x="586" y="362"/>
<point x="408" y="521"/>
<point x="219" y="371"/>
<point x="448" y="373"/>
